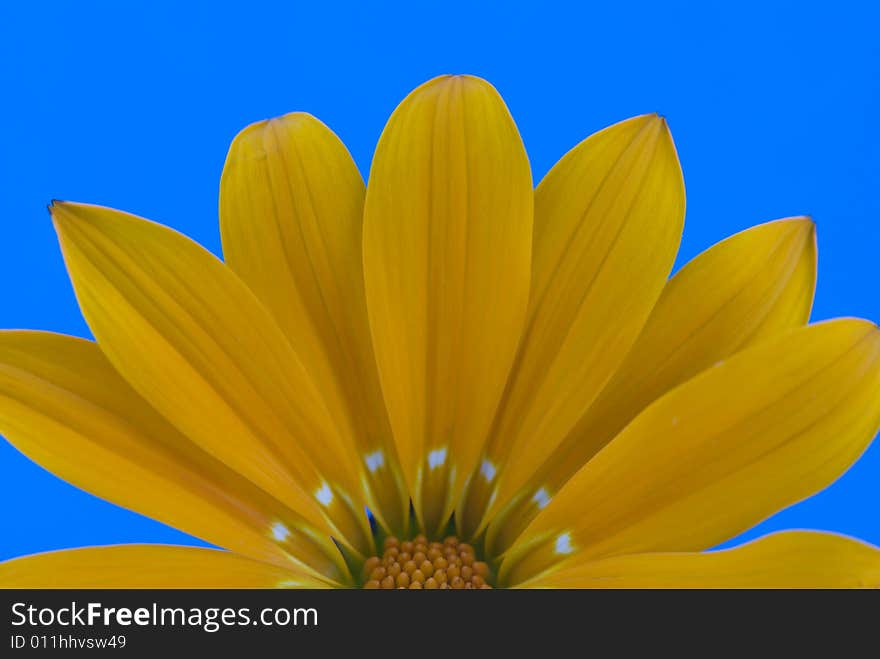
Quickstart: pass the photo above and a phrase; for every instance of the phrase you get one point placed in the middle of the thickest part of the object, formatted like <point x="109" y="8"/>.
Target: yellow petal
<point x="751" y="286"/>
<point x="767" y="428"/>
<point x="66" y="408"/>
<point x="148" y="566"/>
<point x="291" y="215"/>
<point x="196" y="344"/>
<point x="447" y="245"/>
<point x="792" y="559"/>
<point x="608" y="220"/>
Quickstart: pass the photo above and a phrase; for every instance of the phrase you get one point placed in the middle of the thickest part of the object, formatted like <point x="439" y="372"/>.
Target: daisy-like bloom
<point x="506" y="378"/>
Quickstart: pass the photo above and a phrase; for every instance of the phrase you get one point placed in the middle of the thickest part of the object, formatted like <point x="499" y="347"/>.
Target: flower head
<point x="446" y="378"/>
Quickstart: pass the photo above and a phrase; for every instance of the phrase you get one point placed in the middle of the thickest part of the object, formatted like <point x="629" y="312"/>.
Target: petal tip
<point x="804" y="220"/>
<point x="295" y="118"/>
<point x="65" y="212"/>
<point x="796" y="224"/>
<point x="809" y="225"/>
<point x="59" y="210"/>
<point x="55" y="205"/>
<point x="654" y="125"/>
<point x="462" y="82"/>
<point x="254" y="140"/>
<point x="656" y="120"/>
<point x="250" y="131"/>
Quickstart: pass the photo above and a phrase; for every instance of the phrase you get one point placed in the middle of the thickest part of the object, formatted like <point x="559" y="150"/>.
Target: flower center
<point x="418" y="564"/>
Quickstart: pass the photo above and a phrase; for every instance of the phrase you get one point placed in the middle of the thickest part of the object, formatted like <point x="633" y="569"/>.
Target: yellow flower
<point x="513" y="362"/>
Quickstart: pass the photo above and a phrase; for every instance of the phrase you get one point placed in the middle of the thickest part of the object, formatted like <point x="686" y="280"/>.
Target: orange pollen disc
<point x="421" y="565"/>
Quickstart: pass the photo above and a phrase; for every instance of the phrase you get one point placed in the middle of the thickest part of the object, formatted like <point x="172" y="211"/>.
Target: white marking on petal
<point x="541" y="498"/>
<point x="488" y="470"/>
<point x="436" y="458"/>
<point x="375" y="460"/>
<point x="289" y="584"/>
<point x="324" y="495"/>
<point x="280" y="532"/>
<point x="563" y="544"/>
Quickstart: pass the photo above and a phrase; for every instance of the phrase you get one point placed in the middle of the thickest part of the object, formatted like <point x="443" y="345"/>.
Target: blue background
<point x="773" y="108"/>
